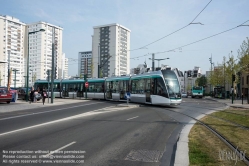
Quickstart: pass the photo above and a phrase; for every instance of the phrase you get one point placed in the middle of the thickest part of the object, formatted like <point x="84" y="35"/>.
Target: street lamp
<point x="27" y="83"/>
<point x="159" y="60"/>
<point x="211" y="62"/>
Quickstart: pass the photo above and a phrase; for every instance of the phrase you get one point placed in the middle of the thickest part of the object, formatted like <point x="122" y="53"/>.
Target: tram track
<point x="223" y="119"/>
<point x="219" y="135"/>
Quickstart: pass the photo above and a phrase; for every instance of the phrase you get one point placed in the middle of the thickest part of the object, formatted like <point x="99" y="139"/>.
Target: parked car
<point x="5" y="95"/>
<point x="22" y="93"/>
<point x="184" y="94"/>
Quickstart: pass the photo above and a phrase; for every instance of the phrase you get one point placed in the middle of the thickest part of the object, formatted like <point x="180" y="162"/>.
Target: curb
<point x="182" y="150"/>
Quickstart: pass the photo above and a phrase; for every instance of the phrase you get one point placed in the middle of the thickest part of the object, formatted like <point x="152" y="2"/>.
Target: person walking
<point x="35" y="96"/>
<point x="31" y="96"/>
<point x="44" y="96"/>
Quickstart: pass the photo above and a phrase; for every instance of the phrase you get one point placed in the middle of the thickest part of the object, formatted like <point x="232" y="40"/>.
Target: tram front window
<point x="172" y="83"/>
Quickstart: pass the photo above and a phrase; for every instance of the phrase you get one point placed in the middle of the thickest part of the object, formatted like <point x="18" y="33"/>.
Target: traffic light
<point x="48" y="77"/>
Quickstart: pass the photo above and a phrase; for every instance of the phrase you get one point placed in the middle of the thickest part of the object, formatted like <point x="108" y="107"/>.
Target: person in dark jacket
<point x="31" y="96"/>
<point x="44" y="95"/>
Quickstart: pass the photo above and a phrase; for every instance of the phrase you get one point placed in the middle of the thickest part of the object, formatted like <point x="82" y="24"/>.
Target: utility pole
<point x="53" y="72"/>
<point x="85" y="79"/>
<point x="211" y="62"/>
<point x="98" y="60"/>
<point x="153" y="62"/>
<point x="48" y="79"/>
<point x="8" y="86"/>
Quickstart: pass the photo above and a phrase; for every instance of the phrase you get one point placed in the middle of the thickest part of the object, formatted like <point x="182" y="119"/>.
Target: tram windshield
<point x="172" y="83"/>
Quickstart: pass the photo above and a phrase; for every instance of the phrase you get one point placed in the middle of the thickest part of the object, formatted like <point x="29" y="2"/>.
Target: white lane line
<point x="47" y="111"/>
<point x="63" y="147"/>
<point x="64" y="119"/>
<point x="133" y="118"/>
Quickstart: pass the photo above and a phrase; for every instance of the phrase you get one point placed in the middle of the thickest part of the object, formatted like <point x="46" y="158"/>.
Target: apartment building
<point x="12" y="39"/>
<point x="110" y="50"/>
<point x="63" y="72"/>
<point x="40" y="50"/>
<point x="85" y="63"/>
<point x="65" y="68"/>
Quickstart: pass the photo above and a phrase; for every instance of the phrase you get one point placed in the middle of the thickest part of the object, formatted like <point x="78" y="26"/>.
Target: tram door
<point x="122" y="90"/>
<point x="148" y="89"/>
<point x="109" y="87"/>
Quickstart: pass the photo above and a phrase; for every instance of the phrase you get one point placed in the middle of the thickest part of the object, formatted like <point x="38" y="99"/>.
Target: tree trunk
<point x="247" y="93"/>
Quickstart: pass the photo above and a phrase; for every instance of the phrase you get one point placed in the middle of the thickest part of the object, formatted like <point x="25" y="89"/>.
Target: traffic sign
<point x="86" y="84"/>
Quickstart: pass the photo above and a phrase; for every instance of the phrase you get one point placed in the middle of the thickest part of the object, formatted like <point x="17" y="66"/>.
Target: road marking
<point x="46" y="111"/>
<point x="63" y="147"/>
<point x="68" y="118"/>
<point x="133" y="118"/>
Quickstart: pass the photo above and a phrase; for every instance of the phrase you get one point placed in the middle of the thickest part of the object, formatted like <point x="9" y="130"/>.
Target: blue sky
<point x="148" y="21"/>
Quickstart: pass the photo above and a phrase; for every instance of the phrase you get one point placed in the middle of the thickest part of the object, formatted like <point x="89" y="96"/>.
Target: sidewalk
<point x="23" y="105"/>
<point x="228" y="102"/>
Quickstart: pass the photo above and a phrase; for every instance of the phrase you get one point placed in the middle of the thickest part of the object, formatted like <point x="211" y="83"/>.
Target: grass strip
<point x="205" y="148"/>
<point x="239" y="117"/>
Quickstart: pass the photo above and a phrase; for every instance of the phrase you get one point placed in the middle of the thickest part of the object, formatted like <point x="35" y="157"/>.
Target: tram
<point x="157" y="88"/>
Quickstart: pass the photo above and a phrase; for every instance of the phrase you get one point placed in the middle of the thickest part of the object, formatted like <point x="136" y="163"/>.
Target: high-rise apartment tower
<point x="110" y="50"/>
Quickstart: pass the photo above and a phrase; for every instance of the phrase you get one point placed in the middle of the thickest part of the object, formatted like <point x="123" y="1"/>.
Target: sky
<point x="148" y="21"/>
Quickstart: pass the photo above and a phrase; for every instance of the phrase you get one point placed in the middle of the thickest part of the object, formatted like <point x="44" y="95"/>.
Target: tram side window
<point x="80" y="87"/>
<point x="128" y="86"/>
<point x="121" y="85"/>
<point x="56" y="87"/>
<point x="70" y="87"/>
<point x="91" y="87"/>
<point x="99" y="87"/>
<point x="65" y="87"/>
<point x="134" y="86"/>
<point x="115" y="87"/>
<point x="141" y="84"/>
<point x="160" y="88"/>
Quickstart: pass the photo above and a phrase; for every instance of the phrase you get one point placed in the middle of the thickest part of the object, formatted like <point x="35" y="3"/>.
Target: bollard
<point x="242" y="98"/>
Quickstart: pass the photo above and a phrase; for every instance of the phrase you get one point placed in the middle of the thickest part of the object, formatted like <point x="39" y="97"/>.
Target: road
<point x="104" y="133"/>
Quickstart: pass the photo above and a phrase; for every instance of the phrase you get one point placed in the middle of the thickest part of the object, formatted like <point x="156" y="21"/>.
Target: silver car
<point x="184" y="95"/>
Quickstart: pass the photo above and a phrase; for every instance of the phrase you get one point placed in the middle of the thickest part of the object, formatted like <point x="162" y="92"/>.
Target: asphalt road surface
<point x="96" y="133"/>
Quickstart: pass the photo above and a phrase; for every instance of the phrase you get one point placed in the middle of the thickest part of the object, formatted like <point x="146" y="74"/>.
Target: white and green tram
<point x="157" y="88"/>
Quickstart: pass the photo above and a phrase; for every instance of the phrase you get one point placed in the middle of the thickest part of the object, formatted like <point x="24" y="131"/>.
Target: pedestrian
<point x="35" y="96"/>
<point x="31" y="96"/>
<point x="44" y="95"/>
